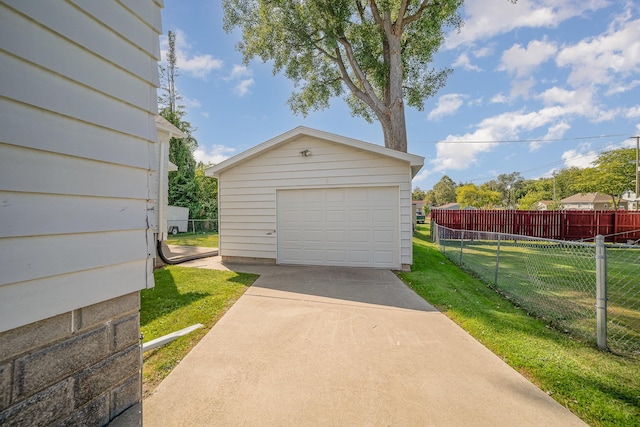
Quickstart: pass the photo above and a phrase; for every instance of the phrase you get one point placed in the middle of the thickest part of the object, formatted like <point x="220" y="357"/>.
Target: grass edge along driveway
<point x="601" y="388"/>
<point x="182" y="297"/>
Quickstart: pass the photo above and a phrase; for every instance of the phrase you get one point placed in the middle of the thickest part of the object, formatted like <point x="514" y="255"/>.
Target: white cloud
<point x="212" y="155"/>
<point x="195" y="65"/>
<point x="633" y="112"/>
<point x="555" y="131"/>
<point x="205" y="114"/>
<point x="580" y="157"/>
<point x="459" y="155"/>
<point x="521" y="88"/>
<point x="604" y="59"/>
<point x="244" y="75"/>
<point x="239" y="71"/>
<point x="522" y="61"/>
<point x="242" y="88"/>
<point x="464" y="62"/>
<point x="499" y="99"/>
<point x="191" y="102"/>
<point x="447" y="105"/>
<point x="481" y="23"/>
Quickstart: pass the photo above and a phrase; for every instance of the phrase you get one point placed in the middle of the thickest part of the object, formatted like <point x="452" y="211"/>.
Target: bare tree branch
<point x="362" y="78"/>
<point x="376" y="13"/>
<point x="372" y="102"/>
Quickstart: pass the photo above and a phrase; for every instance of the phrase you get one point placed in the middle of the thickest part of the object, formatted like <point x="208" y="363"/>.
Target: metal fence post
<point x="495" y="280"/>
<point x="601" y="292"/>
<point x="461" y="246"/>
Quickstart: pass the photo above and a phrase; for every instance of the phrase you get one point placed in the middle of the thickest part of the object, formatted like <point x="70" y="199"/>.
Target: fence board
<point x="616" y="226"/>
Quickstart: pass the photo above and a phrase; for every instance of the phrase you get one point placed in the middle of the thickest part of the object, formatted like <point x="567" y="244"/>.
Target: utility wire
<point x="505" y="141"/>
<point x="597" y="150"/>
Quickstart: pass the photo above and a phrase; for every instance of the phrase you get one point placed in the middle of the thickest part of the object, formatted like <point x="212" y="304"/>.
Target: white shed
<point x="310" y="197"/>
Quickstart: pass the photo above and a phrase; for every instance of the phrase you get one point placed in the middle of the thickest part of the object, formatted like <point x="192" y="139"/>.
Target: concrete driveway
<point x="327" y="346"/>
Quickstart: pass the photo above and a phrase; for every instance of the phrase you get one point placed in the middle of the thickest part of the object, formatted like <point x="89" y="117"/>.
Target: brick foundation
<point x="77" y="368"/>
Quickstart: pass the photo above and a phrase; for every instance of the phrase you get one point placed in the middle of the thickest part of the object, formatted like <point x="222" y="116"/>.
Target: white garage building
<point x="314" y="198"/>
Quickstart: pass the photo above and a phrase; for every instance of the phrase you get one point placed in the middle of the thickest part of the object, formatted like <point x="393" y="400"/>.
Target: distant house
<point x="591" y="202"/>
<point x="79" y="192"/>
<point x="632" y="200"/>
<point x="419" y="204"/>
<point x="449" y="206"/>
<point x="544" y="205"/>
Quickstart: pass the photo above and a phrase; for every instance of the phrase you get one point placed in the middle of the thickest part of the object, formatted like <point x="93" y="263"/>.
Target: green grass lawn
<point x="207" y="239"/>
<point x="601" y="388"/>
<point x="183" y="297"/>
<point x="557" y="282"/>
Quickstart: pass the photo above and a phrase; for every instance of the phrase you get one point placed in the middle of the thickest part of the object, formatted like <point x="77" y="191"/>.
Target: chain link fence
<point x="195" y="226"/>
<point x="557" y="281"/>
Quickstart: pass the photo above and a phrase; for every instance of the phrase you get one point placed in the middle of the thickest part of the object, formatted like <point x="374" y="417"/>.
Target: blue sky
<point x="555" y="81"/>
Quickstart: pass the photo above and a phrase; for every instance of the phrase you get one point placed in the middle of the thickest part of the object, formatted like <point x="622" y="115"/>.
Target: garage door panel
<point x="335" y="195"/>
<point x="312" y="216"/>
<point x="360" y="215"/>
<point x="336" y="236"/>
<point x="311" y="197"/>
<point x="359" y="236"/>
<point x="313" y="255"/>
<point x="335" y="215"/>
<point x="336" y="256"/>
<point x="383" y="237"/>
<point x="383" y="257"/>
<point x="339" y="226"/>
<point x="359" y="256"/>
<point x="383" y="216"/>
<point x="290" y="215"/>
<point x="290" y="236"/>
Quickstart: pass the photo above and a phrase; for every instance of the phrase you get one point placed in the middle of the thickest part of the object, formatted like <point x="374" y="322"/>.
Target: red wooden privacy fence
<point x="616" y="226"/>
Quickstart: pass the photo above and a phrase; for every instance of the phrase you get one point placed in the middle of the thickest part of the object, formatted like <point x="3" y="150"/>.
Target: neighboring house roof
<point x="546" y="202"/>
<point x="587" y="198"/>
<point x="448" y="206"/>
<point x="416" y="162"/>
<point x="166" y="126"/>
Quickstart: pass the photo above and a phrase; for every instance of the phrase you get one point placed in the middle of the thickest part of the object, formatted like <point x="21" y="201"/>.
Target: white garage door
<point x="339" y="226"/>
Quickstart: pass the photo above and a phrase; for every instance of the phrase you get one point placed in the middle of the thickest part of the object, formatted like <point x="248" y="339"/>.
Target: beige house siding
<point x="77" y="134"/>
<point x="79" y="185"/>
<point x="248" y="229"/>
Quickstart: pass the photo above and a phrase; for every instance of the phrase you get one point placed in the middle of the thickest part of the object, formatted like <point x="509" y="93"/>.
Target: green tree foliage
<point x="418" y="194"/>
<point x="188" y="187"/>
<point x="613" y="174"/>
<point x="376" y="52"/>
<point x="470" y="195"/>
<point x="207" y="192"/>
<point x="529" y="202"/>
<point x="444" y="191"/>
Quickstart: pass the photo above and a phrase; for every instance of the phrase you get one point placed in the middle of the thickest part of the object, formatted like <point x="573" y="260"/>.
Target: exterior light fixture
<point x="305" y="153"/>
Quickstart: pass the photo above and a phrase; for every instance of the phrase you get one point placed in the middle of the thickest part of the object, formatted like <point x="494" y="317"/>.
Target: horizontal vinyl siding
<point x="24" y="214"/>
<point x="247" y="192"/>
<point x="69" y="60"/>
<point x="78" y="157"/>
<point x="31" y="127"/>
<point x="27" y="302"/>
<point x="68" y="21"/>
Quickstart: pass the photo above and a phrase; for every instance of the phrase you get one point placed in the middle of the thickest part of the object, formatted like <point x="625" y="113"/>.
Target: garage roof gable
<point x="416" y="162"/>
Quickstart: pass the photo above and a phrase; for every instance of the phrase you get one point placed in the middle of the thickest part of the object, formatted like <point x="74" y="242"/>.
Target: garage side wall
<point x="247" y="192"/>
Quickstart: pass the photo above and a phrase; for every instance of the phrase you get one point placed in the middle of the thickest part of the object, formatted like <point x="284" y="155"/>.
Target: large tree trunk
<point x="394" y="126"/>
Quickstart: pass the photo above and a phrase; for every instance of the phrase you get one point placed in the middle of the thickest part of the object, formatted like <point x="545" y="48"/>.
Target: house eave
<point x="415" y="162"/>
